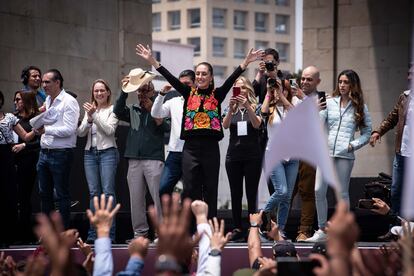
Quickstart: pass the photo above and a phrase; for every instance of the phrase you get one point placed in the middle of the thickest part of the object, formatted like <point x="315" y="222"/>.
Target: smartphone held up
<point x="236" y="91"/>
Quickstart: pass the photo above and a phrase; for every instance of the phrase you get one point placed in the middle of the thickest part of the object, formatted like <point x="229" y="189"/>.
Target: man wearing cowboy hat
<point x="144" y="146"/>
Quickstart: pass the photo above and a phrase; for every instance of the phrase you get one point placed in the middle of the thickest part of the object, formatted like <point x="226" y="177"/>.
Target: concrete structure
<point x="85" y="40"/>
<point x="223" y="31"/>
<point x="373" y="38"/>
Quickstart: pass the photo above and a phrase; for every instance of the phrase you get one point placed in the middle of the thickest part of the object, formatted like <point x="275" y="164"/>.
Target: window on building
<point x="156" y="1"/>
<point x="220" y="71"/>
<point x="174" y="20"/>
<point x="156" y="22"/>
<point x="219" y="46"/>
<point x="157" y="55"/>
<point x="259" y="44"/>
<point x="282" y="2"/>
<point x="283" y="49"/>
<point x="173" y="0"/>
<point x="175" y="40"/>
<point x="240" y="20"/>
<point x="195" y="41"/>
<point x="240" y="1"/>
<point x="261" y="1"/>
<point x="219" y="18"/>
<point x="240" y="48"/>
<point x="194" y="18"/>
<point x="260" y="20"/>
<point x="282" y="24"/>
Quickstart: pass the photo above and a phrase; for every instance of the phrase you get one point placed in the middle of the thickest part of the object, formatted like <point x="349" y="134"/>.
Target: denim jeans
<point x="397" y="181"/>
<point x="172" y="172"/>
<point x="283" y="178"/>
<point x="100" y="171"/>
<point x="53" y="170"/>
<point x="343" y="169"/>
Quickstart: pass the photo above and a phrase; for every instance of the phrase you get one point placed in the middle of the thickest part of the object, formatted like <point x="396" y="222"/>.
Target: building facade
<point x="222" y="31"/>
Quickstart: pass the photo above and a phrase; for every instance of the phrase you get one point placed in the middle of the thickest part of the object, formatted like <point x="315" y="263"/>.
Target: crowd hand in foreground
<point x="174" y="239"/>
<point x="86" y="250"/>
<point x="268" y="267"/>
<point x="139" y="247"/>
<point x="218" y="240"/>
<point x="56" y="243"/>
<point x="103" y="216"/>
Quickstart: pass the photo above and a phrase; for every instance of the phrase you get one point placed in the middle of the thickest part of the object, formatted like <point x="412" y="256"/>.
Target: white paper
<point x="309" y="144"/>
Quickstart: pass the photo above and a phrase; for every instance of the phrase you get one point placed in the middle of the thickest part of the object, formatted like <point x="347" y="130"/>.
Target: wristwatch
<point x="162" y="93"/>
<point x="215" y="252"/>
<point x="254" y="224"/>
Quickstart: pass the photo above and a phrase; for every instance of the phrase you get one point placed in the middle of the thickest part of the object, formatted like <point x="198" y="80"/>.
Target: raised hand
<point x="268" y="266"/>
<point x="104" y="215"/>
<point x="200" y="211"/>
<point x="256" y="218"/>
<point x="251" y="56"/>
<point x="146" y="53"/>
<point x="174" y="239"/>
<point x="218" y="240"/>
<point x="35" y="266"/>
<point x="324" y="269"/>
<point x="85" y="248"/>
<point x="56" y="245"/>
<point x="138" y="247"/>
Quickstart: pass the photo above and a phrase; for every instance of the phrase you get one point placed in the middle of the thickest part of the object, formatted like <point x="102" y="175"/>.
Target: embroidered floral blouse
<point x="202" y="107"/>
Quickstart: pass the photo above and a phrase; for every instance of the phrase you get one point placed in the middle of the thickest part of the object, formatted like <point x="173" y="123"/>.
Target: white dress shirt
<point x="173" y="108"/>
<point x="61" y="133"/>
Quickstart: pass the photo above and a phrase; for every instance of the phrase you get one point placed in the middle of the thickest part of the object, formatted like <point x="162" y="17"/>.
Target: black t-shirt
<point x="245" y="147"/>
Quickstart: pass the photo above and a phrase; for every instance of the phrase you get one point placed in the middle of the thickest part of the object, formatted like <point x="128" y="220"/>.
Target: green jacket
<point x="145" y="139"/>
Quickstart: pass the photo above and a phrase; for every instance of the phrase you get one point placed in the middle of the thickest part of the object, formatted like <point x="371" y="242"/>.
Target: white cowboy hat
<point x="137" y="78"/>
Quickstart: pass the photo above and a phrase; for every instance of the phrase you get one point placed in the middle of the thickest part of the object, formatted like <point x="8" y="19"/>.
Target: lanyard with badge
<point x="242" y="125"/>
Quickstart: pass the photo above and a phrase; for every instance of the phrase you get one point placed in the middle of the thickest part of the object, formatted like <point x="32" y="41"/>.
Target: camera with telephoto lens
<point x="269" y="66"/>
<point x="272" y="83"/>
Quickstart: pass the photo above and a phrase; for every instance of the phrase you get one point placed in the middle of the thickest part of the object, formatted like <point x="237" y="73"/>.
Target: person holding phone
<point x="278" y="102"/>
<point x="244" y="156"/>
<point x="201" y="126"/>
<point x="345" y="114"/>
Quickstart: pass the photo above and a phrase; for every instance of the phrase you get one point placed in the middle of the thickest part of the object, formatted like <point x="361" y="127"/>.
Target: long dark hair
<point x="29" y="102"/>
<point x="355" y="94"/>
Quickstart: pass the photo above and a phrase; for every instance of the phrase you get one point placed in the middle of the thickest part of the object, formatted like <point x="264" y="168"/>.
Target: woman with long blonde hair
<point x="243" y="159"/>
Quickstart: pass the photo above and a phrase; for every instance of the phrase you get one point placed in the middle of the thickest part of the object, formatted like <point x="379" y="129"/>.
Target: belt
<point x="55" y="150"/>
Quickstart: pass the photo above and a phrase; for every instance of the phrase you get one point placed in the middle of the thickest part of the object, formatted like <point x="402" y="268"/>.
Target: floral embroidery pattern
<point x="202" y="117"/>
<point x="201" y="120"/>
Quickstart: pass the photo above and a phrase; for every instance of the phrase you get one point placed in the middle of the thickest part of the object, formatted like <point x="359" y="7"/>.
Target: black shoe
<point x="387" y="237"/>
<point x="237" y="236"/>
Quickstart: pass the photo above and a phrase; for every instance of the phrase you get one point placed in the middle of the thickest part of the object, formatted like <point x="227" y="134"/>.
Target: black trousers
<point x="8" y="196"/>
<point x="250" y="171"/>
<point x="201" y="164"/>
<point x="25" y="179"/>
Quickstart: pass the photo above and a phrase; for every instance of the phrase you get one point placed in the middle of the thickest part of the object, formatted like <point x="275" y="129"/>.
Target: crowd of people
<point x="43" y="155"/>
<point x="177" y="252"/>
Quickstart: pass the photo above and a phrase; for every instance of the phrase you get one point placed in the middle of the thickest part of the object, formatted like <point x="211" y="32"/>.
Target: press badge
<point x="242" y="128"/>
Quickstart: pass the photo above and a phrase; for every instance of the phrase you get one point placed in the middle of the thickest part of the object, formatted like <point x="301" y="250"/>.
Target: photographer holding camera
<point x="276" y="105"/>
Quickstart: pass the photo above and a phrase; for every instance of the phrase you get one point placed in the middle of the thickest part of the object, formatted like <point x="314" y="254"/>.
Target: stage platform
<point x="234" y="256"/>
